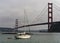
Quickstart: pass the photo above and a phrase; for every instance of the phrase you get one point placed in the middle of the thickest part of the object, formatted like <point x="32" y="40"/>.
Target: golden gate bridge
<point x="49" y="23"/>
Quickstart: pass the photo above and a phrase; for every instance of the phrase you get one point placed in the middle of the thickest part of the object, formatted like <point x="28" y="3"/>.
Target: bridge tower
<point x="16" y="24"/>
<point x="50" y="15"/>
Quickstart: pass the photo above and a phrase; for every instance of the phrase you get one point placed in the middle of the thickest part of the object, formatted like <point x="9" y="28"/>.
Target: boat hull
<point x="22" y="37"/>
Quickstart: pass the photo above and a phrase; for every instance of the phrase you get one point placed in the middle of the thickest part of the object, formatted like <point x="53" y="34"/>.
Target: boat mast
<point x="26" y="17"/>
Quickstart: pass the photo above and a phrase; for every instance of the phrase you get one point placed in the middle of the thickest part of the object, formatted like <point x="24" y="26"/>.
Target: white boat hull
<point x="23" y="36"/>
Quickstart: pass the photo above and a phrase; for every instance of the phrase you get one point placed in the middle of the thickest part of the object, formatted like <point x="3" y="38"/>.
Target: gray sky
<point x="14" y="9"/>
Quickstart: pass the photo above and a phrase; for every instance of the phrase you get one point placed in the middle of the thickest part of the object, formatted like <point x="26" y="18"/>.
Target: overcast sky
<point x="14" y="9"/>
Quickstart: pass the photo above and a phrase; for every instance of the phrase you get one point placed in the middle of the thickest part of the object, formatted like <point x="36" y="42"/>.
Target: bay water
<point x="36" y="38"/>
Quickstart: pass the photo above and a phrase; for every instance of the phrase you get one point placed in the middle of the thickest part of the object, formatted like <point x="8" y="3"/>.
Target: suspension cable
<point x="40" y="13"/>
<point x="56" y="7"/>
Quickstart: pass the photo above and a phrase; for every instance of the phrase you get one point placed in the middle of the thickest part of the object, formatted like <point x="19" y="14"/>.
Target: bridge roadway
<point x="36" y="24"/>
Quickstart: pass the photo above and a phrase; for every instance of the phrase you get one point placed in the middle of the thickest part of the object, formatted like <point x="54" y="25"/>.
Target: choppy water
<point x="40" y="38"/>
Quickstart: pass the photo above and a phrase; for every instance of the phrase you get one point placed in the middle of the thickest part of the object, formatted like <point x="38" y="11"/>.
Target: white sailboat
<point x="23" y="35"/>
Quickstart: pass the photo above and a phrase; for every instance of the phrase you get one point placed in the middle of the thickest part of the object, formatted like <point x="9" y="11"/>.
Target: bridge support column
<point x="50" y="15"/>
<point x="16" y="25"/>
